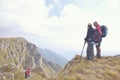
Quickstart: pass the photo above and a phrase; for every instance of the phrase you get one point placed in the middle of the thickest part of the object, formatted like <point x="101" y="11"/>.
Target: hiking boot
<point x="98" y="56"/>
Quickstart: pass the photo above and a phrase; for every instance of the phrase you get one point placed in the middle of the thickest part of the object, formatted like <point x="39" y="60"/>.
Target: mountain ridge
<point x="107" y="68"/>
<point x="17" y="54"/>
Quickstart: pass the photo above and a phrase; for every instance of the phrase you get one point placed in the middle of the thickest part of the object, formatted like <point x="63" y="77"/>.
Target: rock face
<point x="16" y="55"/>
<point x="107" y="68"/>
<point x="19" y="52"/>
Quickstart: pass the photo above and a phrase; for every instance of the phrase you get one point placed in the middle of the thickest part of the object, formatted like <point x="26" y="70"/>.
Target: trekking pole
<point x="82" y="50"/>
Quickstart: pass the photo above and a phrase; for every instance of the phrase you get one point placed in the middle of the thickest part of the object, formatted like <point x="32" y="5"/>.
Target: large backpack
<point x="104" y="30"/>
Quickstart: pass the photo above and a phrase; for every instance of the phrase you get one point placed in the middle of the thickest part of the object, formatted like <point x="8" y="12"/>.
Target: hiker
<point x="98" y="39"/>
<point x="27" y="72"/>
<point x="89" y="39"/>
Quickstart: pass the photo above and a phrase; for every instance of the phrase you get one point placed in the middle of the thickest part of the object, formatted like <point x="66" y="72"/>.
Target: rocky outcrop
<point x="10" y="72"/>
<point x="17" y="54"/>
<point x="18" y="51"/>
<point x="7" y="76"/>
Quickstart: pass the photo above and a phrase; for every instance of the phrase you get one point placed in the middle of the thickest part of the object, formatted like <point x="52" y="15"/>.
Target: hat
<point x="89" y="24"/>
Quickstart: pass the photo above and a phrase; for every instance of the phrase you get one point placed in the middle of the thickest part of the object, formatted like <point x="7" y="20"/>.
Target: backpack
<point x="104" y="30"/>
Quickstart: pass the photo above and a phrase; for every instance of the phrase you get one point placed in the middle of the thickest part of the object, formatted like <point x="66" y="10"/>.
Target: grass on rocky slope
<point x="16" y="54"/>
<point x="11" y="72"/>
<point x="107" y="68"/>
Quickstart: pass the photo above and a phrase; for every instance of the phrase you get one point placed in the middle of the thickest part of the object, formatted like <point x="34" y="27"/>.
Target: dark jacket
<point x="90" y="35"/>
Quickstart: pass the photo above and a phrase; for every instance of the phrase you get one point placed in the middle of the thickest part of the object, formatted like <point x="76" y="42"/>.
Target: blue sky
<point x="57" y="6"/>
<point x="60" y="25"/>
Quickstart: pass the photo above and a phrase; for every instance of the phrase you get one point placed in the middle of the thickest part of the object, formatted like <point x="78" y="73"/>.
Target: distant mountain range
<point x="53" y="57"/>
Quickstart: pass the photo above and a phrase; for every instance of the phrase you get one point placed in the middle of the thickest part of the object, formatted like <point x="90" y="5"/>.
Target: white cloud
<point x="51" y="6"/>
<point x="71" y="25"/>
<point x="111" y="5"/>
<point x="66" y="31"/>
<point x="28" y="13"/>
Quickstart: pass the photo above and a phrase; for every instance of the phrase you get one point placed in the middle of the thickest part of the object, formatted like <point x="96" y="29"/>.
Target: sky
<point x="60" y="25"/>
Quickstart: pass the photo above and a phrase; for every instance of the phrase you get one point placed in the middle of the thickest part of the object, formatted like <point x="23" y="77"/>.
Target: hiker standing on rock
<point x="89" y="39"/>
<point x="98" y="39"/>
<point x="94" y="37"/>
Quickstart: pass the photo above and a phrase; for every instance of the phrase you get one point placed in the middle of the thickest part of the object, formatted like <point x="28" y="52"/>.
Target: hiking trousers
<point x="90" y="51"/>
<point x="98" y="50"/>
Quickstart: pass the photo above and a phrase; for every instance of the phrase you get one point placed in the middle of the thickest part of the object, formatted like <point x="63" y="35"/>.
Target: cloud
<point x="23" y="17"/>
<point x="111" y="5"/>
<point x="73" y="20"/>
<point x="27" y="13"/>
<point x="66" y="30"/>
<point x="70" y="27"/>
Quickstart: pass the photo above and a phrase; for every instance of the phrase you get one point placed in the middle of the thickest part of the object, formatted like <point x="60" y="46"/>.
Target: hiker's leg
<point x="98" y="51"/>
<point x="87" y="53"/>
<point x="90" y="51"/>
<point x="25" y="75"/>
<point x="29" y="75"/>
